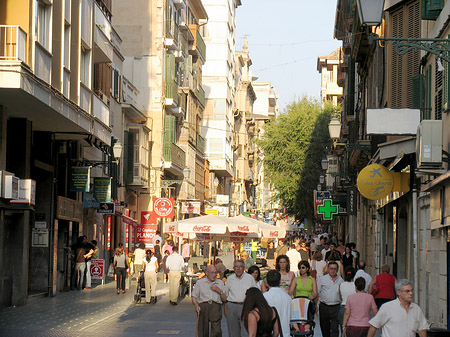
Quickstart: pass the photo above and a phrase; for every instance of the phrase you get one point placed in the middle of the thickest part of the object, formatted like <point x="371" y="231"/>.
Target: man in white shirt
<point x="294" y="258"/>
<point x="175" y="263"/>
<point x="363" y="274"/>
<point x="157" y="237"/>
<point x="278" y="298"/>
<point x="139" y="255"/>
<point x="400" y="317"/>
<point x="235" y="288"/>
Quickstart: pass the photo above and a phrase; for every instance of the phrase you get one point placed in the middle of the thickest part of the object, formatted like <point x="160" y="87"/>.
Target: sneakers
<point x="87" y="288"/>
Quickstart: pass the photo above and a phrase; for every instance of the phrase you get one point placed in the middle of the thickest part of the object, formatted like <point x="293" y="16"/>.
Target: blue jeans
<point x="80" y="268"/>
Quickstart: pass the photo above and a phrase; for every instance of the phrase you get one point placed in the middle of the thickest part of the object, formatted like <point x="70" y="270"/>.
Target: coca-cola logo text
<point x="243" y="228"/>
<point x="202" y="229"/>
<point x="274" y="233"/>
<point x="171" y="228"/>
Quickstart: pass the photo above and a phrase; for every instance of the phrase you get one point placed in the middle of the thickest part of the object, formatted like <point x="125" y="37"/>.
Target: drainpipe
<point x="414" y="235"/>
<point x="51" y="222"/>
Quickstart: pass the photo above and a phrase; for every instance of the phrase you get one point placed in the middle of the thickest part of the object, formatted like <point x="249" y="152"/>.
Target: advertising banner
<point x="145" y="233"/>
<point x="212" y="211"/>
<point x="27" y="192"/>
<point x="97" y="269"/>
<point x="190" y="207"/>
<point x="79" y="179"/>
<point x="148" y="218"/>
<point x="318" y="198"/>
<point x="102" y="189"/>
<point x="106" y="208"/>
<point x="164" y="207"/>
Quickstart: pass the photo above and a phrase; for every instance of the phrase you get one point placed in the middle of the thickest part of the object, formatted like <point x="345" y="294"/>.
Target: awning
<point x="129" y="221"/>
<point x="439" y="181"/>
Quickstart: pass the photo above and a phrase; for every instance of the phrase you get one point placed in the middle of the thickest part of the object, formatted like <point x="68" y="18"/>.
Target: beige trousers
<point x="150" y="284"/>
<point x="174" y="283"/>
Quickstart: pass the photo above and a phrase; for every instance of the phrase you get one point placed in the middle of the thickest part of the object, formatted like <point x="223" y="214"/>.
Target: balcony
<point x="100" y="109"/>
<point x="13" y="43"/>
<point x="201" y="143"/>
<point x="171" y="94"/>
<point x="172" y="35"/>
<point x="200" y="93"/>
<point x="102" y="37"/>
<point x="198" y="46"/>
<point x="174" y="158"/>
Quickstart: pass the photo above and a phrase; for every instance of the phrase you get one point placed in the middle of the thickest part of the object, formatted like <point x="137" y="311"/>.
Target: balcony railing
<point x="199" y="44"/>
<point x="175" y="155"/>
<point x="172" y="90"/>
<point x="129" y="91"/>
<point x="13" y="43"/>
<point x="201" y="143"/>
<point x="200" y="93"/>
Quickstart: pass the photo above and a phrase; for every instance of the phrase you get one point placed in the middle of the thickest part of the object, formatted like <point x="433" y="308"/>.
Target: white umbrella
<point x="266" y="230"/>
<point x="211" y="224"/>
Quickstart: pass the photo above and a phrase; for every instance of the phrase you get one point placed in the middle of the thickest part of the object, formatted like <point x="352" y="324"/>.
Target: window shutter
<point x="427" y="110"/>
<point x="431" y="9"/>
<point x="128" y="164"/>
<point x="169" y="130"/>
<point x="439" y="88"/>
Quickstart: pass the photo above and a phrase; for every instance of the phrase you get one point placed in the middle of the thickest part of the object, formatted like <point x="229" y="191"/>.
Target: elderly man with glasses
<point x="400" y="317"/>
<point x="329" y="300"/>
<point x="207" y="297"/>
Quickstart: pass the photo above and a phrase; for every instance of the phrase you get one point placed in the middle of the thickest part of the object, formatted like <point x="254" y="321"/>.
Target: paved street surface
<point x="101" y="312"/>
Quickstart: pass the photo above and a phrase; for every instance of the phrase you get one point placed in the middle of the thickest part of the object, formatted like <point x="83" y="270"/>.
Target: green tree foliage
<point x="293" y="147"/>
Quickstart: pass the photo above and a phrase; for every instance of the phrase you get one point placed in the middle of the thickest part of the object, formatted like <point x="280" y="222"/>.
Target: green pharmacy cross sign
<point x="327" y="209"/>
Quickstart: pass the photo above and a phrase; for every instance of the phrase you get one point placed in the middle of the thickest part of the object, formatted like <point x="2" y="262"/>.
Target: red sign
<point x="164" y="207"/>
<point x="274" y="234"/>
<point x="190" y="207"/>
<point x="109" y="233"/>
<point x="145" y="233"/>
<point x="253" y="215"/>
<point x="202" y="229"/>
<point x="97" y="269"/>
<point x="148" y="218"/>
<point x="243" y="228"/>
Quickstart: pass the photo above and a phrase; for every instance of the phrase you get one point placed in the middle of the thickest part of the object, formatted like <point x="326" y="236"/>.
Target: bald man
<point x="208" y="296"/>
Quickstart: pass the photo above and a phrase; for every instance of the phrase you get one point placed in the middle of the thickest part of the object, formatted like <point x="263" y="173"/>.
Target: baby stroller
<point x="302" y="313"/>
<point x="140" y="289"/>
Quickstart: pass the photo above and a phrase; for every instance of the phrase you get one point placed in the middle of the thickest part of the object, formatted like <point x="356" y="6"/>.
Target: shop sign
<point x="148" y="218"/>
<point x="106" y="208"/>
<point x="97" y="269"/>
<point x="145" y="233"/>
<point x="164" y="207"/>
<point x="109" y="234"/>
<point x="190" y="207"/>
<point x="212" y="211"/>
<point x="80" y="179"/>
<point x="69" y="209"/>
<point x="223" y="210"/>
<point x="351" y="201"/>
<point x="102" y="189"/>
<point x="222" y="199"/>
<point x="375" y="182"/>
<point x="327" y="209"/>
<point x="27" y="192"/>
<point x="318" y="198"/>
<point x="89" y="201"/>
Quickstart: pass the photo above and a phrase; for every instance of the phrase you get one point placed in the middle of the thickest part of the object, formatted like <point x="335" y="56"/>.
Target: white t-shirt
<point x="394" y="321"/>
<point x="139" y="254"/>
<point x="319" y="265"/>
<point x="150" y="266"/>
<point x="294" y="259"/>
<point x="347" y="289"/>
<point x="367" y="277"/>
<point x="277" y="297"/>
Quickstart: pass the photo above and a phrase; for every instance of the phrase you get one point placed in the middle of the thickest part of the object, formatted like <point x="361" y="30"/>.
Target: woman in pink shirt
<point x="357" y="311"/>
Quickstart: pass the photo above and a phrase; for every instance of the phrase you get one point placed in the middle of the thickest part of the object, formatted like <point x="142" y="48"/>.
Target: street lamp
<point x="324" y="164"/>
<point x="322" y="179"/>
<point x="334" y="128"/>
<point x="370" y="11"/>
<point x="117" y="150"/>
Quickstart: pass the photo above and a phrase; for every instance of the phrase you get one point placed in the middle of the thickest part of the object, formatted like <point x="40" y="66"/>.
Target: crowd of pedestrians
<point x="256" y="300"/>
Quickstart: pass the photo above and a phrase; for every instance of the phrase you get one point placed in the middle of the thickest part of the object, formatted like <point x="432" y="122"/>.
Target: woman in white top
<point x="346" y="289"/>
<point x="150" y="265"/>
<point x="318" y="264"/>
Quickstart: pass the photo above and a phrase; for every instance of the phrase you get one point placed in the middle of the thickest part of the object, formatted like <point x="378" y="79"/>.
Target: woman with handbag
<point x="383" y="286"/>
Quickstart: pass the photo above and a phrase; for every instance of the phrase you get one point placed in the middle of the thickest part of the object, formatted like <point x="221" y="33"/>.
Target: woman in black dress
<point x="259" y="318"/>
<point x="347" y="257"/>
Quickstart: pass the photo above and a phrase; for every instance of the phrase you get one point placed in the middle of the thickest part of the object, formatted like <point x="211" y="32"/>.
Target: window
<point x="66" y="58"/>
<point x="42" y="24"/>
<point x="115" y="85"/>
<point x="85" y="66"/>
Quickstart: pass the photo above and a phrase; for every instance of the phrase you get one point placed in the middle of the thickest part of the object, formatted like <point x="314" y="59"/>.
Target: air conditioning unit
<point x="429" y="144"/>
<point x="9" y="185"/>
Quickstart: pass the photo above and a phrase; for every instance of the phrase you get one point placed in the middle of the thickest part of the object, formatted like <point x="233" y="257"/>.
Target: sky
<point x="285" y="38"/>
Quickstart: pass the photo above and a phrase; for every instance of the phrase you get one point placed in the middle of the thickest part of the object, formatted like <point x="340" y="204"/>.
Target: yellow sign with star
<point x="375" y="182"/>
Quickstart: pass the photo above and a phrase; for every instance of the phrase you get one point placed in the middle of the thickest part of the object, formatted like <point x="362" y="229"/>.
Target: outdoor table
<point x="191" y="277"/>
